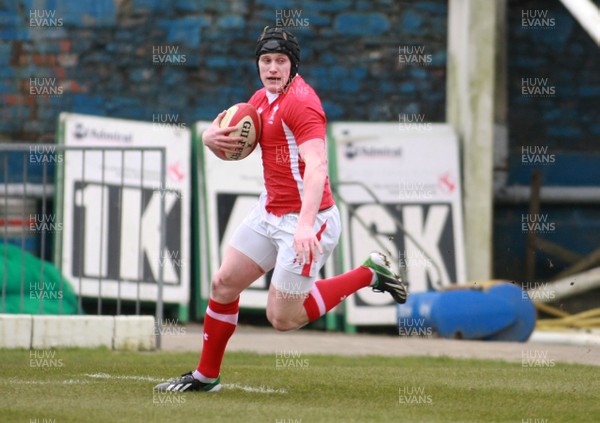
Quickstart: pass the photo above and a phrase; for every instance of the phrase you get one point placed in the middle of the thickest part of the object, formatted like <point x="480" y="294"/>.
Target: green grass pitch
<point x="78" y="385"/>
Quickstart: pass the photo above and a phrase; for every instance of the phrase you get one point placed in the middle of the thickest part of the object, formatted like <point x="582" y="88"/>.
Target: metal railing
<point x="27" y="184"/>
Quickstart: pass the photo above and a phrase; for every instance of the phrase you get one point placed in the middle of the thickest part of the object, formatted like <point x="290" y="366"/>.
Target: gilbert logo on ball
<point x="247" y="120"/>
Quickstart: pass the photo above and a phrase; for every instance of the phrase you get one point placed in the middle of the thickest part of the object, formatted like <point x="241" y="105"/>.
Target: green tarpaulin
<point x="21" y="277"/>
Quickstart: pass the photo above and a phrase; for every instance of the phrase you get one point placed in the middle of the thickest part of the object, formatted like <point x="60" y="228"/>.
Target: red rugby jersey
<point x="290" y="119"/>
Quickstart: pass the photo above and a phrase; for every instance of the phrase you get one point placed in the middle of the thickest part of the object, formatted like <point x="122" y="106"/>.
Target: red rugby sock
<point x="327" y="293"/>
<point x="219" y="324"/>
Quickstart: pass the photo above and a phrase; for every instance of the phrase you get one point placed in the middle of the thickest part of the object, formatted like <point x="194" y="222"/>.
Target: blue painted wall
<point x="554" y="127"/>
<point x="560" y="64"/>
<point x="103" y="58"/>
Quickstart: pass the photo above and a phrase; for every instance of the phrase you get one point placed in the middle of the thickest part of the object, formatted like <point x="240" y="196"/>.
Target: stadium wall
<point x="139" y="59"/>
<point x="101" y="54"/>
<point x="556" y="131"/>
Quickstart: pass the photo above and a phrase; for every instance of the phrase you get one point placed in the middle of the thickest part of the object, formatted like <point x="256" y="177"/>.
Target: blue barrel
<point x="501" y="313"/>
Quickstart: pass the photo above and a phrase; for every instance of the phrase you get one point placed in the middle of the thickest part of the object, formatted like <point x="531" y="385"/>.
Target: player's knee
<point x="284" y="325"/>
<point x="222" y="288"/>
<point x="280" y="323"/>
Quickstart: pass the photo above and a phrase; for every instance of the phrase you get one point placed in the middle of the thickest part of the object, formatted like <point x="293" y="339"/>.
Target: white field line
<point x="107" y="376"/>
<point x="44" y="382"/>
<point x="260" y="389"/>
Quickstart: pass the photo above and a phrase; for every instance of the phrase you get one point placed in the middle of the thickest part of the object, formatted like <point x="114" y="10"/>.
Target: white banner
<point x="414" y="177"/>
<point x="111" y="209"/>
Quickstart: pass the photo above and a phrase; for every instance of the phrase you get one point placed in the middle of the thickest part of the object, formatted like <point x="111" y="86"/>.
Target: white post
<point x="587" y="14"/>
<point x="470" y="109"/>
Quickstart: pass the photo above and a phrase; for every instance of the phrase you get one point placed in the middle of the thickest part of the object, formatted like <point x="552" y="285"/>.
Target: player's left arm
<point x="314" y="155"/>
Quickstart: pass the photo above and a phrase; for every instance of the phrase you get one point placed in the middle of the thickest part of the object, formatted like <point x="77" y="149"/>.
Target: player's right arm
<point x="217" y="139"/>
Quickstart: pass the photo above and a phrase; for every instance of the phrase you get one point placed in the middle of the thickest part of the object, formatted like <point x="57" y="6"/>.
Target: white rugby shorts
<point x="269" y="241"/>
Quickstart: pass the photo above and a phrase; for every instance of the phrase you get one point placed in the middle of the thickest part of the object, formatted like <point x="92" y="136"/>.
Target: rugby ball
<point x="247" y="120"/>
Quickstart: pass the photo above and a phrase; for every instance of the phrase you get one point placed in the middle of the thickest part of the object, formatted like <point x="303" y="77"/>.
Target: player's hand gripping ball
<point x="247" y="120"/>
